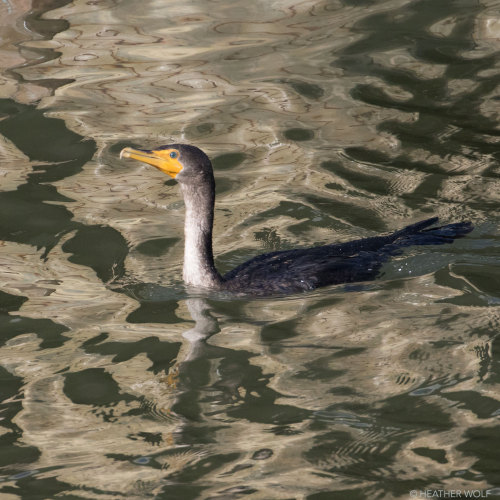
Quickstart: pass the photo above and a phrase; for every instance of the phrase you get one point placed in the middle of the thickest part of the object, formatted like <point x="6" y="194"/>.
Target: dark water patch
<point x="468" y="295"/>
<point x="26" y="217"/>
<point x="279" y="331"/>
<point x="261" y="407"/>
<point x="237" y="468"/>
<point x="154" y="438"/>
<point x="412" y="414"/>
<point x="202" y="468"/>
<point x="94" y="387"/>
<point x="299" y="134"/>
<point x="9" y="303"/>
<point x="29" y="215"/>
<point x="224" y="185"/>
<point x="156" y="247"/>
<point x="438" y="456"/>
<point x="95" y="340"/>
<point x="484" y="279"/>
<point x="185" y="491"/>
<point x="228" y="161"/>
<point x="161" y="311"/>
<point x="29" y="487"/>
<point x="12" y="451"/>
<point x="302" y="212"/>
<point x="229" y="260"/>
<point x="482" y="444"/>
<point x="483" y="353"/>
<point x="369" y="156"/>
<point x="493" y="376"/>
<point x="306" y="89"/>
<point x="101" y="248"/>
<point x="343" y="391"/>
<point x="319" y="369"/>
<point x="288" y="208"/>
<point x="480" y="405"/>
<point x="358" y="3"/>
<point x="335" y="186"/>
<point x="349" y="351"/>
<point x="50" y="332"/>
<point x="200" y="130"/>
<point x="12" y="325"/>
<point x="161" y="354"/>
<point x="49" y="140"/>
<point x="357" y="178"/>
<point x="342" y="453"/>
<point x="270" y="238"/>
<point x="351" y="493"/>
<point x="47" y="28"/>
<point x="354" y="214"/>
<point x="230" y="493"/>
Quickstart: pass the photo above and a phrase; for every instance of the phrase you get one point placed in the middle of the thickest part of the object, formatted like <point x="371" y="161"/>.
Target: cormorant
<point x="279" y="272"/>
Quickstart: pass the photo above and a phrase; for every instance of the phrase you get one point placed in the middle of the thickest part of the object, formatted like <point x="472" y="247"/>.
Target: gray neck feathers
<point x="199" y="269"/>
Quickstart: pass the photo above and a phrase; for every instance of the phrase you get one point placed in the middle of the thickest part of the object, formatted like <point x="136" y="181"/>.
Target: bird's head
<point x="183" y="162"/>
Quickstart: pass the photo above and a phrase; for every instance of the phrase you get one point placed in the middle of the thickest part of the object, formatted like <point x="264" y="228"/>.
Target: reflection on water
<point x="326" y="120"/>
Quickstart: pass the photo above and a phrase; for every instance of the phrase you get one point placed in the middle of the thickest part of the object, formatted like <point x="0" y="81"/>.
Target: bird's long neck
<point x="199" y="268"/>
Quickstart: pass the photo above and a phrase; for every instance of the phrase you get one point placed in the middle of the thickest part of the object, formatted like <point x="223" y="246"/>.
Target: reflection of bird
<point x="280" y="272"/>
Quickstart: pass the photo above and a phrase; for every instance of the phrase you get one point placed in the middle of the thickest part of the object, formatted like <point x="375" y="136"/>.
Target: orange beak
<point x="160" y="159"/>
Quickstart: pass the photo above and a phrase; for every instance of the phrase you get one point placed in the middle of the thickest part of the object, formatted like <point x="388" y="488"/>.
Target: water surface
<point x="326" y="121"/>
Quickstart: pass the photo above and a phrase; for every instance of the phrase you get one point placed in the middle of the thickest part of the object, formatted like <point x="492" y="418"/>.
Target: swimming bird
<point x="279" y="272"/>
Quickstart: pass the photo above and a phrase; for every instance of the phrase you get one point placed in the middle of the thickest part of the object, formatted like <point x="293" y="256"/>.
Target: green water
<point x="326" y="121"/>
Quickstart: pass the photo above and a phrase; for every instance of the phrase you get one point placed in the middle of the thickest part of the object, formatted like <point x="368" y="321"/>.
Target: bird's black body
<point x="281" y="272"/>
<point x="297" y="270"/>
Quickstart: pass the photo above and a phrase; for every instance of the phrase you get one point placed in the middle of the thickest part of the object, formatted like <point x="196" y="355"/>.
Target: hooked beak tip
<point x="124" y="153"/>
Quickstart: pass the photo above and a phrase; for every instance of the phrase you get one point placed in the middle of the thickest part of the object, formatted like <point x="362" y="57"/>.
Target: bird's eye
<point x="173" y="154"/>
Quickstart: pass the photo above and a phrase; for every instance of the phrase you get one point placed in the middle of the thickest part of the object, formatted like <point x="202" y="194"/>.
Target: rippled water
<point x="326" y="120"/>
